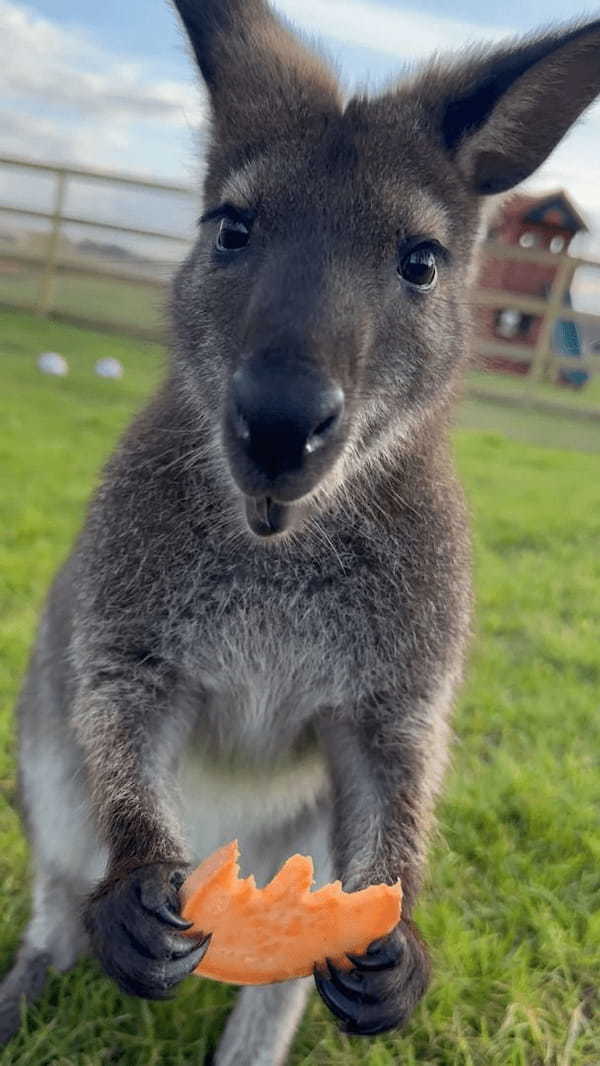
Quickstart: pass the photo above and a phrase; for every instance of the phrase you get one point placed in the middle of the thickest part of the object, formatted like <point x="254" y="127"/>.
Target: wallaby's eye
<point x="419" y="267"/>
<point x="233" y="235"/>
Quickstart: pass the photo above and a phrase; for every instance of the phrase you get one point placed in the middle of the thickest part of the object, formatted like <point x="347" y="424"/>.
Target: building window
<point x="557" y="245"/>
<point x="511" y="323"/>
<point x="528" y="239"/>
<point x="507" y="323"/>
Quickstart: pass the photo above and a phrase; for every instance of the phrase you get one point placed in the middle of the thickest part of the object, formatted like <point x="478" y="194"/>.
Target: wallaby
<point x="262" y="626"/>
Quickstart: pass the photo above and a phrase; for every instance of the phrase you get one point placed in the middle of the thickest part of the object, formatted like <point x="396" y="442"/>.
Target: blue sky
<point x="111" y="84"/>
<point x="146" y="29"/>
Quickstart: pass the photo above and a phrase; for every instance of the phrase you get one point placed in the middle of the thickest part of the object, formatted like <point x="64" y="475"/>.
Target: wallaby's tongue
<point x="266" y="517"/>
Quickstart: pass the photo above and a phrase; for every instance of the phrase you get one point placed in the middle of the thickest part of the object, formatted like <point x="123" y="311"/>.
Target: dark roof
<point x="555" y="208"/>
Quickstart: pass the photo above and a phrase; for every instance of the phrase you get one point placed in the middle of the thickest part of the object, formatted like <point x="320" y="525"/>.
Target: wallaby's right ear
<point x="261" y="80"/>
<point x="501" y="113"/>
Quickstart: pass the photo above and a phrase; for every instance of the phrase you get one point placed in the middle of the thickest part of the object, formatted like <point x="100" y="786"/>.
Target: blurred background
<point x="101" y="134"/>
<point x="102" y="126"/>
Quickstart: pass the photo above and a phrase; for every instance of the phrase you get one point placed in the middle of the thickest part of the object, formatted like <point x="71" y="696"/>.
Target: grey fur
<point x="308" y="679"/>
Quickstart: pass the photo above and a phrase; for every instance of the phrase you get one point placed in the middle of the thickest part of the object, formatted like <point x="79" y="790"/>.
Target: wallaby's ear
<point x="261" y="80"/>
<point x="500" y="115"/>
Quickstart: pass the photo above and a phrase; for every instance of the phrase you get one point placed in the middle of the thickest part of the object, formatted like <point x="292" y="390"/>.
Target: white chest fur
<point x="252" y="804"/>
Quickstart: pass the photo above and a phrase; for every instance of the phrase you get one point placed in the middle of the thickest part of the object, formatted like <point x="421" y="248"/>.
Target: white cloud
<point x="48" y="139"/>
<point x="404" y="33"/>
<point x="60" y="67"/>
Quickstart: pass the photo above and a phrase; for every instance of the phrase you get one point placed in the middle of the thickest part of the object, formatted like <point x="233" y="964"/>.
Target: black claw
<point x="166" y="914"/>
<point x="181" y="968"/>
<point x="351" y="983"/>
<point x="140" y="947"/>
<point x="376" y="945"/>
<point x="201" y="947"/>
<point x="366" y="1016"/>
<point x="154" y="941"/>
<point x="205" y="942"/>
<point x="334" y="999"/>
<point x="366" y="965"/>
<point x="138" y="935"/>
<point x="155" y="978"/>
<point x="383" y="989"/>
<point x="188" y="947"/>
<point x="159" y="980"/>
<point x="384" y="957"/>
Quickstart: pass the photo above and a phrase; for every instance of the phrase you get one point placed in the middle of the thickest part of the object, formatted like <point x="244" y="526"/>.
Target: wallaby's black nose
<point x="281" y="417"/>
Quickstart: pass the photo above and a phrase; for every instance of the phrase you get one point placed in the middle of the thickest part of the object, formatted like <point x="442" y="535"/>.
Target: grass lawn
<point x="512" y="907"/>
<point x="530" y="427"/>
<point x="514" y="385"/>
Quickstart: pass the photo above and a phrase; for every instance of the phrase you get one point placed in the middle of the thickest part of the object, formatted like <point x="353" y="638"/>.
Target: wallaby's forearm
<point x="121" y="718"/>
<point x="383" y="785"/>
<point x="381" y="771"/>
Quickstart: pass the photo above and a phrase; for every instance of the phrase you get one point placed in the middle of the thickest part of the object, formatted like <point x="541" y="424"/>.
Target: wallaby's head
<point x="322" y="315"/>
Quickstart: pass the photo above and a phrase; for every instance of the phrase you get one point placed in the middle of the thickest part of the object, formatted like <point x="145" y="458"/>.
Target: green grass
<point x="515" y="385"/>
<point x="512" y="907"/>
<point x="531" y="427"/>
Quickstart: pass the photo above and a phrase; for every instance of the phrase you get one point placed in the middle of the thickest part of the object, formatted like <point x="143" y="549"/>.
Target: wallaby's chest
<point x="265" y="655"/>
<point x="263" y="676"/>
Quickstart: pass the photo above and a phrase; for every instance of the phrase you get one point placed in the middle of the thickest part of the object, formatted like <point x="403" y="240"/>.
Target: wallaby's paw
<point x="384" y="987"/>
<point x="136" y="931"/>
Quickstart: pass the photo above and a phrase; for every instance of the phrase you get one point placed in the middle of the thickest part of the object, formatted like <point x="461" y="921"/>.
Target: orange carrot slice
<point x="264" y="935"/>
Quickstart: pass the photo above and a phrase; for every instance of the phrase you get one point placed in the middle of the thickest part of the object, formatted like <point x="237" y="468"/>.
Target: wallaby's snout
<point x="283" y="430"/>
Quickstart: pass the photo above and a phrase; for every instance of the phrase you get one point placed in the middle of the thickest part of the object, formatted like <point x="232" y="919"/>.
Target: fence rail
<point x="43" y="268"/>
<point x="64" y="219"/>
<point x="51" y="263"/>
<point x="115" y="177"/>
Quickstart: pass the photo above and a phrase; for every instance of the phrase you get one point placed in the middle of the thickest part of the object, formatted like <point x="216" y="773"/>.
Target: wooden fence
<point x="543" y="361"/>
<point x="47" y="264"/>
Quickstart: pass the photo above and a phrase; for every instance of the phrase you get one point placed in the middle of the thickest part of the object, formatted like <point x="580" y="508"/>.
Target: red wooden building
<point x="547" y="223"/>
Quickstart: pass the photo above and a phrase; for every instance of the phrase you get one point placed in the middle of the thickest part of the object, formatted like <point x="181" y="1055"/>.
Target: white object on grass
<point x="109" y="368"/>
<point x="53" y="363"/>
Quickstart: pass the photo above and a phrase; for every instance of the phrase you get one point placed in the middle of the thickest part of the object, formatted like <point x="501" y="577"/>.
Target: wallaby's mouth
<point x="266" y="517"/>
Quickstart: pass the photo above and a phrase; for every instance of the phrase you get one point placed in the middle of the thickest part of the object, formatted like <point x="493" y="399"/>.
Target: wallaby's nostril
<point x="323" y="431"/>
<point x="240" y="424"/>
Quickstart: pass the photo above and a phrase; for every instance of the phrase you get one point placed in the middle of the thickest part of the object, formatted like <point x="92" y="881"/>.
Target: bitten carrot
<point x="264" y="935"/>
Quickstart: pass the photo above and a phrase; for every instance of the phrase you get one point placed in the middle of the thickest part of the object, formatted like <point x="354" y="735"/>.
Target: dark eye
<point x="419" y="267"/>
<point x="233" y="235"/>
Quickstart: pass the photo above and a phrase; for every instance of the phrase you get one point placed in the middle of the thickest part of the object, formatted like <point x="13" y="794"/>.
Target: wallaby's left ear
<point x="502" y="114"/>
<point x="262" y="82"/>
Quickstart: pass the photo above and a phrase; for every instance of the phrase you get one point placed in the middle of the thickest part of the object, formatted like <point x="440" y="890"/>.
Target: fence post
<point x="46" y="290"/>
<point x="542" y="358"/>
